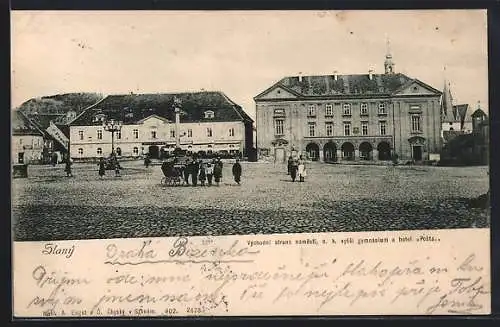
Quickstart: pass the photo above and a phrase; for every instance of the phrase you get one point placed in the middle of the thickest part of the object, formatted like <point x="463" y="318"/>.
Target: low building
<point x="349" y="117"/>
<point x="28" y="140"/>
<point x="209" y="122"/>
<point x="468" y="148"/>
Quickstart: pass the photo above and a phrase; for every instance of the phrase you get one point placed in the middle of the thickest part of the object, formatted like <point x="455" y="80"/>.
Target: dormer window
<point x="99" y="118"/>
<point x="209" y="114"/>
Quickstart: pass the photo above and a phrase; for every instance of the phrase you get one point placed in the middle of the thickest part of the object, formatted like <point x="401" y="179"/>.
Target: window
<point x="190" y="133"/>
<point x="329" y="110"/>
<point x="278" y="127"/>
<point x="364" y="109"/>
<point x="347" y="129"/>
<point x="99" y="151"/>
<point x="99" y="134"/>
<point x="118" y="135"/>
<point x="118" y="151"/>
<point x="153" y="134"/>
<point x="347" y="109"/>
<point x="136" y="133"/>
<point x="136" y="151"/>
<point x="80" y="135"/>
<point x="20" y="141"/>
<point x="381" y="108"/>
<point x="231" y="132"/>
<point x="383" y="128"/>
<point x="312" y="110"/>
<point x="329" y="129"/>
<point x="80" y="151"/>
<point x="172" y="133"/>
<point x="312" y="129"/>
<point x="209" y="114"/>
<point x="209" y="131"/>
<point x="364" y="128"/>
<point x="415" y="123"/>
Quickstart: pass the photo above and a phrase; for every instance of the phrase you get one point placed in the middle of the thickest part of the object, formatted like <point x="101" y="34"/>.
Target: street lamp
<point x="177" y="110"/>
<point x="112" y="126"/>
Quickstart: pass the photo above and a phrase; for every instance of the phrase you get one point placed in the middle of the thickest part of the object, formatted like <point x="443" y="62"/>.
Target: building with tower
<point x="337" y="117"/>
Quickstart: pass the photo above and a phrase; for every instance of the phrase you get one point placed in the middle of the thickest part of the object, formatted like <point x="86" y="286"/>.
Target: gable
<point x="417" y="88"/>
<point x="153" y="120"/>
<point x="276" y="92"/>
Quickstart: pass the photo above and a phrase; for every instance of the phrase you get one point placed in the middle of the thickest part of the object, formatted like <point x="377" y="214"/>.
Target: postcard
<point x="250" y="163"/>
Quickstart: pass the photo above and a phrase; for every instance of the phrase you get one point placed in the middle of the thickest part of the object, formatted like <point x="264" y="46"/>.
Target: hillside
<point x="56" y="107"/>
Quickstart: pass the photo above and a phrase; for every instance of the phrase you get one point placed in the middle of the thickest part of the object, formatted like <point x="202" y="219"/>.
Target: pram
<point x="172" y="174"/>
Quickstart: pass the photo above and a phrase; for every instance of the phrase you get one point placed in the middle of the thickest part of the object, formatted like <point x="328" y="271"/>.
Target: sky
<point x="241" y="53"/>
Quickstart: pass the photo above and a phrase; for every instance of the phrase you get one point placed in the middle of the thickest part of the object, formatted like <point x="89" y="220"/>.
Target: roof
<point x="55" y="108"/>
<point x="354" y="84"/>
<point x="479" y="113"/>
<point x="22" y="125"/>
<point x="460" y="112"/>
<point x="131" y="108"/>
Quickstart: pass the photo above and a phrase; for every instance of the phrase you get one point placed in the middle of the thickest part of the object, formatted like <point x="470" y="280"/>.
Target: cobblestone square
<point x="334" y="198"/>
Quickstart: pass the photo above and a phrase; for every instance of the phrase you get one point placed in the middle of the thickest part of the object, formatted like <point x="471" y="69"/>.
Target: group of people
<point x="113" y="161"/>
<point x="200" y="171"/>
<point x="297" y="167"/>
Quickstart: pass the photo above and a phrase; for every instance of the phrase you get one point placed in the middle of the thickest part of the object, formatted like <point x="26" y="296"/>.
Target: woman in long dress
<point x="301" y="169"/>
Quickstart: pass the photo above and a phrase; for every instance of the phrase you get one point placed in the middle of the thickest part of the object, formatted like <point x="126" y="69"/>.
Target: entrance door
<point x="417" y="153"/>
<point x="20" y="157"/>
<point x="279" y="155"/>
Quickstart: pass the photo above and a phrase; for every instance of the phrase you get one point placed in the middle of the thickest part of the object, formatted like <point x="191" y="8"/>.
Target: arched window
<point x="118" y="151"/>
<point x="99" y="151"/>
<point x="136" y="151"/>
<point x="80" y="151"/>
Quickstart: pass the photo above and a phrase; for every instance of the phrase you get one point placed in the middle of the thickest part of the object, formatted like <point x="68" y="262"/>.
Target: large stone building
<point x="209" y="122"/>
<point x="349" y="117"/>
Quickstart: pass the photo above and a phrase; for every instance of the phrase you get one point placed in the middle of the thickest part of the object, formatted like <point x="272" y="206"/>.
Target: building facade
<point x="209" y="123"/>
<point x="27" y="142"/>
<point x="349" y="117"/>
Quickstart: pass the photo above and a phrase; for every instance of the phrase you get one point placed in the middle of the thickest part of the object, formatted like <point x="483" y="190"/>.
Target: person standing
<point x="209" y="171"/>
<point x="290" y="162"/>
<point x="217" y="173"/>
<point x="67" y="168"/>
<point x="187" y="171"/>
<point x="116" y="164"/>
<point x="219" y="163"/>
<point x="237" y="171"/>
<point x="293" y="169"/>
<point x="203" y="175"/>
<point x="102" y="167"/>
<point x="301" y="169"/>
<point x="194" y="172"/>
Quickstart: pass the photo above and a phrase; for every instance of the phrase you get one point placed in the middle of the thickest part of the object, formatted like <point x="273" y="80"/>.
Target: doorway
<point x="417" y="152"/>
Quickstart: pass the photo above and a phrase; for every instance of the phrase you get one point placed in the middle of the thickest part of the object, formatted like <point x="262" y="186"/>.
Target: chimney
<point x="300" y="77"/>
<point x="335" y="75"/>
<point x="370" y="74"/>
